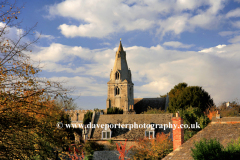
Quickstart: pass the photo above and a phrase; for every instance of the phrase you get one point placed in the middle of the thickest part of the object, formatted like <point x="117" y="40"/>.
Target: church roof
<point x="142" y="104"/>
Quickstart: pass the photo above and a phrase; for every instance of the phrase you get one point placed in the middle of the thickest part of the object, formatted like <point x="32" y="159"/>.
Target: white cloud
<point x="228" y="33"/>
<point x="236" y="24"/>
<point x="233" y="13"/>
<point x="176" y="44"/>
<point x="12" y="33"/>
<point x="40" y="35"/>
<point x="155" y="70"/>
<point x="235" y="39"/>
<point x="84" y="86"/>
<point x="103" y="18"/>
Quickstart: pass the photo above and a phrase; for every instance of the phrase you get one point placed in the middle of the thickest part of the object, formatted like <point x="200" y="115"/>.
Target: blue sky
<point x="167" y="42"/>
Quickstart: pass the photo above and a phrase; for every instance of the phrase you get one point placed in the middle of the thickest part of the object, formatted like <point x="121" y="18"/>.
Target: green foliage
<point x="91" y="146"/>
<point x="110" y="141"/>
<point x="163" y="96"/>
<point x="233" y="149"/>
<point x="114" y="110"/>
<point x="213" y="150"/>
<point x="153" y="111"/>
<point x="88" y="157"/>
<point x="192" y="115"/>
<point x="98" y="110"/>
<point x="87" y="117"/>
<point x="183" y="96"/>
<point x="208" y="150"/>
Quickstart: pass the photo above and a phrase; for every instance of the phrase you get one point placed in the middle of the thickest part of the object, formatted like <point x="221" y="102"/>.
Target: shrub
<point x="114" y="110"/>
<point x="208" y="150"/>
<point x="155" y="148"/>
<point x="232" y="151"/>
<point x="89" y="157"/>
<point x="213" y="150"/>
<point x="87" y="117"/>
<point x="91" y="146"/>
<point x="122" y="150"/>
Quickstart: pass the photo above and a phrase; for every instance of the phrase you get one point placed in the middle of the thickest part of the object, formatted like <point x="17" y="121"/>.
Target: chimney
<point x="178" y="132"/>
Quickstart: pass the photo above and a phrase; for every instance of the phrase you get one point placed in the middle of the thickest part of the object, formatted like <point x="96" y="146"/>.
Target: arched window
<point x="77" y="117"/>
<point x="117" y="75"/>
<point x="117" y="91"/>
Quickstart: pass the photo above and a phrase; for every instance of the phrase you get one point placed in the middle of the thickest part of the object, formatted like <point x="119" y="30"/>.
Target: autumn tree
<point x="183" y="96"/>
<point x="28" y="114"/>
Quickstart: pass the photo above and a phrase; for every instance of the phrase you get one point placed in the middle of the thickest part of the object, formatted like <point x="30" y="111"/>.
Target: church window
<point x="117" y="91"/>
<point x="117" y="75"/>
<point x="77" y="117"/>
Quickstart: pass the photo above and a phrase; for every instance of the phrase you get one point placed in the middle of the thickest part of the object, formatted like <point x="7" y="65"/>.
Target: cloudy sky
<point x="166" y="41"/>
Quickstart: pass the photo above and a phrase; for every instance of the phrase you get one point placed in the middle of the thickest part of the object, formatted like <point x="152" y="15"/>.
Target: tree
<point x="190" y="116"/>
<point x="183" y="96"/>
<point x="87" y="117"/>
<point x="114" y="110"/>
<point x="232" y="110"/>
<point x="28" y="114"/>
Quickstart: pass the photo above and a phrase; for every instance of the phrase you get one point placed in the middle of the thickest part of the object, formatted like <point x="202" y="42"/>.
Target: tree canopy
<point x="28" y="113"/>
<point x="183" y="96"/>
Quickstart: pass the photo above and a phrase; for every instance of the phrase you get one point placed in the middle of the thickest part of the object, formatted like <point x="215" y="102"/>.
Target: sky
<point x="166" y="41"/>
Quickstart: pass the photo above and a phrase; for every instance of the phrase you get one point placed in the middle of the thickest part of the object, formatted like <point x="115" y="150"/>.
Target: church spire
<point x="120" y="86"/>
<point x="120" y="48"/>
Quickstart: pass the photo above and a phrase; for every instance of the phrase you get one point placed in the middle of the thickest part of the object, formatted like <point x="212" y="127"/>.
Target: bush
<point x="155" y="148"/>
<point x="208" y="150"/>
<point x="114" y="110"/>
<point x="89" y="157"/>
<point x="87" y="117"/>
<point x="91" y="146"/>
<point x="232" y="151"/>
<point x="213" y="150"/>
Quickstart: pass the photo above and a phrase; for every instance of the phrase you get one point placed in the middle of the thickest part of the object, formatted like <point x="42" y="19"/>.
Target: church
<point x="121" y="89"/>
<point x="121" y="95"/>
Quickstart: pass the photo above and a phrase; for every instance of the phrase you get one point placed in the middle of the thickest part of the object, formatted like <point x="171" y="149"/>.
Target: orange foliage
<point x="211" y="113"/>
<point x="153" y="148"/>
<point x="122" y="150"/>
<point x="75" y="156"/>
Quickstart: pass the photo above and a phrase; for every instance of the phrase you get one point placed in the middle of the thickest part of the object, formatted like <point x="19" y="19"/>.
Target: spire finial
<point x="120" y="39"/>
<point x="120" y="48"/>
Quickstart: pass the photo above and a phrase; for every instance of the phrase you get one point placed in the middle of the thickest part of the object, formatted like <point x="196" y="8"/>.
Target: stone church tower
<point x="120" y="86"/>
